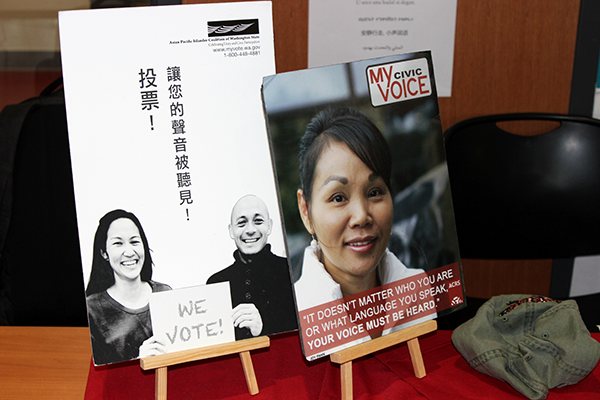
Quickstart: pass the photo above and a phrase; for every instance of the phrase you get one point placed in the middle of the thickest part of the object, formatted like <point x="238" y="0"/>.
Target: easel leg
<point x="416" y="357"/>
<point x="409" y="335"/>
<point x="249" y="372"/>
<point x="161" y="383"/>
<point x="242" y="347"/>
<point x="346" y="377"/>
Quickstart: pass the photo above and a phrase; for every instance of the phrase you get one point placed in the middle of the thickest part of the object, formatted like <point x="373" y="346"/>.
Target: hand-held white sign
<point x="192" y="317"/>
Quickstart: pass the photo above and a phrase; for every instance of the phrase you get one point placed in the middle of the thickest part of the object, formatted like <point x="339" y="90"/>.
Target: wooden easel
<point x="409" y="335"/>
<point x="243" y="347"/>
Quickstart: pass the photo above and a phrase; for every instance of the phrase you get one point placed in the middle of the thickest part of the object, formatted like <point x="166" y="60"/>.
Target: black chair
<point x="41" y="279"/>
<point x="527" y="197"/>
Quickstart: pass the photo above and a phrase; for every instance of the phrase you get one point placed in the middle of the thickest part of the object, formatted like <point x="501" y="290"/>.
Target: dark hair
<point x="102" y="276"/>
<point x="354" y="129"/>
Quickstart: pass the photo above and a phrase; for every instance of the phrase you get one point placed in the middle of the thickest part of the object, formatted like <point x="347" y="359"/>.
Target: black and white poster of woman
<point x="167" y="134"/>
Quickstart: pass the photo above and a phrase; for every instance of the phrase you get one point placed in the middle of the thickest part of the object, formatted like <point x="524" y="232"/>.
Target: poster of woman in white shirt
<point x="365" y="197"/>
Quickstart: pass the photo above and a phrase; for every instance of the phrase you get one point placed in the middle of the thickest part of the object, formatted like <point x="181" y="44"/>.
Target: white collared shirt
<point x="316" y="286"/>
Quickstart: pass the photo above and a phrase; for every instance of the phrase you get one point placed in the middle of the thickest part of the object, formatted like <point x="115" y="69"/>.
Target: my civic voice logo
<point x="398" y="81"/>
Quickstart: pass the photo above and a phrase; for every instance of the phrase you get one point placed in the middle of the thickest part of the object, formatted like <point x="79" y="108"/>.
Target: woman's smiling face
<point x="351" y="213"/>
<point x="124" y="249"/>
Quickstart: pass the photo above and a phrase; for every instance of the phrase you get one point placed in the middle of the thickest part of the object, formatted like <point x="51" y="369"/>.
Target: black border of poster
<point x="585" y="63"/>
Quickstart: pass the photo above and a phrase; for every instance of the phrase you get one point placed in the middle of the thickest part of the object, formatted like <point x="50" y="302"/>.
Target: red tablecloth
<point x="282" y="373"/>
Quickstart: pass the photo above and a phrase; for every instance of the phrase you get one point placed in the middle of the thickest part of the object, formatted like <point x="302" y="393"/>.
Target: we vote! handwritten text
<point x="192" y="317"/>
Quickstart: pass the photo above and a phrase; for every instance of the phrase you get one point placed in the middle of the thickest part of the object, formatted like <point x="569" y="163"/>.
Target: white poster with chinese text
<point x="168" y="143"/>
<point x="342" y="31"/>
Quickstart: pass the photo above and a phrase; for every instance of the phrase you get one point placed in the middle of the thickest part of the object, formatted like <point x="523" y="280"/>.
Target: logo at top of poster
<point x="232" y="27"/>
<point x="399" y="81"/>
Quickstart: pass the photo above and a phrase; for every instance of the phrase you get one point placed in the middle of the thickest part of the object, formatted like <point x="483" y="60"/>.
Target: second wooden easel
<point x="409" y="335"/>
<point x="243" y="347"/>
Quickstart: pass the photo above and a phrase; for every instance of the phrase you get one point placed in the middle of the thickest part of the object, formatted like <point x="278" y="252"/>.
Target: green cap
<point x="534" y="343"/>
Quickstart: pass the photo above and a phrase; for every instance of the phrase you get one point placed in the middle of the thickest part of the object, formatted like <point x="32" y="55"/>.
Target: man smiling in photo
<point x="261" y="292"/>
